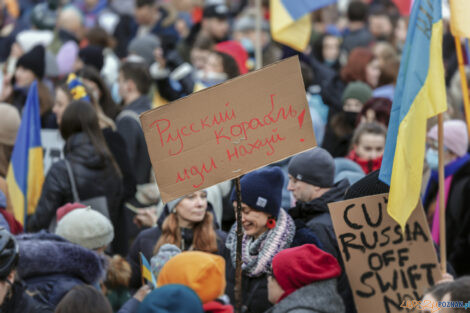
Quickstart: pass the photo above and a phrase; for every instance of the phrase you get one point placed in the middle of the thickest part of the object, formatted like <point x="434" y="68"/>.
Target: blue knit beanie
<point x="171" y="299"/>
<point x="262" y="190"/>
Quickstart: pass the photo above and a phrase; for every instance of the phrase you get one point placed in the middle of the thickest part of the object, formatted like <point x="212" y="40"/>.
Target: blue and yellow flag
<point x="420" y="94"/>
<point x="147" y="271"/>
<point x="459" y="21"/>
<point x="26" y="173"/>
<point x="290" y="21"/>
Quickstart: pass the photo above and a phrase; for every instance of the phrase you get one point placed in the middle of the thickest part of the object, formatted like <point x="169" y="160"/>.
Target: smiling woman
<point x="267" y="230"/>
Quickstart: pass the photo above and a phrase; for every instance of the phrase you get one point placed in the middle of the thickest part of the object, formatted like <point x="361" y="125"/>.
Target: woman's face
<point x="253" y="222"/>
<point x="370" y="146"/>
<point x="24" y="77"/>
<point x="192" y="209"/>
<point x="330" y="48"/>
<point x="214" y="64"/>
<point x="60" y="104"/>
<point x="373" y="73"/>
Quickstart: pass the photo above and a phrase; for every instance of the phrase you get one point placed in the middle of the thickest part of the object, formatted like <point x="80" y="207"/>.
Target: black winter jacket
<point x="457" y="219"/>
<point x="94" y="177"/>
<point x="317" y="217"/>
<point x="21" y="302"/>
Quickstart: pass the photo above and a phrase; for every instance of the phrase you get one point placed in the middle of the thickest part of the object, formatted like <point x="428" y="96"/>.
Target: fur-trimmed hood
<point x="43" y="254"/>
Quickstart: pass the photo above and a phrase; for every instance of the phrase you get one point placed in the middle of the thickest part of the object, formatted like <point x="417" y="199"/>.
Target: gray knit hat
<point x="87" y="228"/>
<point x="315" y="167"/>
<point x="166" y="252"/>
<point x="144" y="47"/>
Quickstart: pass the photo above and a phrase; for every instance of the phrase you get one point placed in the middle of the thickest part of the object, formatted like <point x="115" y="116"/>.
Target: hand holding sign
<point x="225" y="131"/>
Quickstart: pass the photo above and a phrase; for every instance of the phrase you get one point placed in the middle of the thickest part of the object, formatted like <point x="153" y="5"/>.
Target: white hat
<point x="87" y="228"/>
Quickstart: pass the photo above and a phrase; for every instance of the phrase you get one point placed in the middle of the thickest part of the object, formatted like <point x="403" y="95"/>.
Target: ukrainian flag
<point x="26" y="173"/>
<point x="459" y="21"/>
<point x="290" y="21"/>
<point x="146" y="271"/>
<point x="420" y="94"/>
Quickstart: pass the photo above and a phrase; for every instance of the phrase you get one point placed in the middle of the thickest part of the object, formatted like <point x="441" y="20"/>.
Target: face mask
<point x="115" y="93"/>
<point x="248" y="45"/>
<point x="432" y="158"/>
<point x="351" y="118"/>
<point x="212" y="78"/>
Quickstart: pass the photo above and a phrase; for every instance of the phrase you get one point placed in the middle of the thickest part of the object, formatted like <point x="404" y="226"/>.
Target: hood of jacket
<point x="326" y="299"/>
<point x="217" y="307"/>
<point x="79" y="149"/>
<point x="307" y="210"/>
<point x="43" y="254"/>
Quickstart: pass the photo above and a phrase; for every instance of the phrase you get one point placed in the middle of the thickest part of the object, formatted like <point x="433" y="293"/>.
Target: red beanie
<point x="297" y="267"/>
<point x="67" y="208"/>
<point x="236" y="51"/>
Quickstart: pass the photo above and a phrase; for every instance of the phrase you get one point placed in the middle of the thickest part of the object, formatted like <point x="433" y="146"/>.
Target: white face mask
<point x="211" y="78"/>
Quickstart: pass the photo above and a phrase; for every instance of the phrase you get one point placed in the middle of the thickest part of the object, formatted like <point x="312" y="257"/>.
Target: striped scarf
<point x="257" y="254"/>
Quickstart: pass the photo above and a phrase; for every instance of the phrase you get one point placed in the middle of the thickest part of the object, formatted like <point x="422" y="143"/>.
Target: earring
<point x="271" y="223"/>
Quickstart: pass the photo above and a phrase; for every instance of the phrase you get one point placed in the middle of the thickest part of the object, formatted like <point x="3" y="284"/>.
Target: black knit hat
<point x="368" y="186"/>
<point x="92" y="56"/>
<point x="34" y="60"/>
<point x="218" y="10"/>
<point x="262" y="190"/>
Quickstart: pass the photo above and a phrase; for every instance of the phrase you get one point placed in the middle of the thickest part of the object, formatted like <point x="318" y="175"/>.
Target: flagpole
<point x="141" y="269"/>
<point x="463" y="81"/>
<point x="238" y="257"/>
<point x="258" y="45"/>
<point x="442" y="198"/>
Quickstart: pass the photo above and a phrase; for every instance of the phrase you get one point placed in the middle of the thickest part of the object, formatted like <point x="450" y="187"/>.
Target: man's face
<point x="145" y="15"/>
<point x="301" y="191"/>
<point x="217" y="28"/>
<point x="380" y="26"/>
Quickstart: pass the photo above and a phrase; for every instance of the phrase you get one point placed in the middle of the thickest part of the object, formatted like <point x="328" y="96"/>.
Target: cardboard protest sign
<point x="385" y="266"/>
<point x="230" y="129"/>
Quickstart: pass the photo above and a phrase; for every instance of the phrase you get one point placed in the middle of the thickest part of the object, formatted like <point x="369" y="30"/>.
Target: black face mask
<point x="351" y="118"/>
<point x="65" y="36"/>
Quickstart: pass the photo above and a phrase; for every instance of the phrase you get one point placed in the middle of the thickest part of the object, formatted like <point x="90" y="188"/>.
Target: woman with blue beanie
<point x="267" y="230"/>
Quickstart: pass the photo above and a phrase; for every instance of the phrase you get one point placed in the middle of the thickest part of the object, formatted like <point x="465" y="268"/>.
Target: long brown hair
<point x="204" y="236"/>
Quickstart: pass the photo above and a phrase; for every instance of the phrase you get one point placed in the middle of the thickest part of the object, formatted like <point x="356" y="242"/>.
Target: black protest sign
<point x="384" y="265"/>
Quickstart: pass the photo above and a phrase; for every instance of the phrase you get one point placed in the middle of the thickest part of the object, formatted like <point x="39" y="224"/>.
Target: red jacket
<point x="366" y="165"/>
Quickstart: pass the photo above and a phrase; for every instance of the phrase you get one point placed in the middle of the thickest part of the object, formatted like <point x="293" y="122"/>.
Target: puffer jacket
<point x="51" y="266"/>
<point x="94" y="177"/>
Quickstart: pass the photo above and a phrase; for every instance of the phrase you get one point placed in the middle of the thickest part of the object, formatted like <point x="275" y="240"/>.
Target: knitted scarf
<point x="257" y="254"/>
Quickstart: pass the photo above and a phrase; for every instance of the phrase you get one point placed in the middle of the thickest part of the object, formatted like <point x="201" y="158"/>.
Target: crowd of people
<point x="99" y="64"/>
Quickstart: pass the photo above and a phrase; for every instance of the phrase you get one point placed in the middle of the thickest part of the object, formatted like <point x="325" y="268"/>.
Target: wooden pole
<point x="258" y="45"/>
<point x="463" y="81"/>
<point x="238" y="259"/>
<point x="442" y="197"/>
